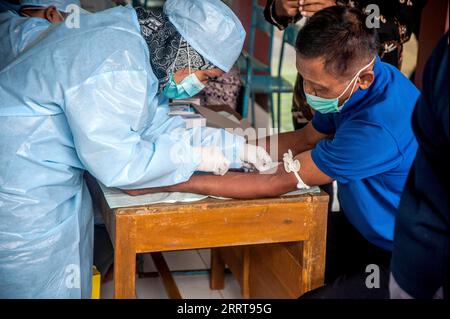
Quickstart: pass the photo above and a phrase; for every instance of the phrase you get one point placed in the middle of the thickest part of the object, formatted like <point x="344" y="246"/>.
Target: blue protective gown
<point x="81" y="99"/>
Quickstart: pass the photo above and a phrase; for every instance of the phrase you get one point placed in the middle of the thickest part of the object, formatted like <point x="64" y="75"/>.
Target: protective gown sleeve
<point x="104" y="114"/>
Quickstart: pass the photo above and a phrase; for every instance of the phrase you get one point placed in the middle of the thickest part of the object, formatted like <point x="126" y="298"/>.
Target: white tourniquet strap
<point x="293" y="166"/>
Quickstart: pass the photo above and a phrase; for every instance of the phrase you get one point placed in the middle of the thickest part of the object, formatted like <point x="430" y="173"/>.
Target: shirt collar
<point x="360" y="96"/>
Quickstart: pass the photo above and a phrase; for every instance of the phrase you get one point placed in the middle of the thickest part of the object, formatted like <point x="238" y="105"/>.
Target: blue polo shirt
<point x="371" y="152"/>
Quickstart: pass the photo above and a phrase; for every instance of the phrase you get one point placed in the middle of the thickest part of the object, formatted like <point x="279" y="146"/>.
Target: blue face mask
<point x="323" y="105"/>
<point x="189" y="87"/>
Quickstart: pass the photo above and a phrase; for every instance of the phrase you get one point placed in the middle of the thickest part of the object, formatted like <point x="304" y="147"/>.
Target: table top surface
<point x="213" y="203"/>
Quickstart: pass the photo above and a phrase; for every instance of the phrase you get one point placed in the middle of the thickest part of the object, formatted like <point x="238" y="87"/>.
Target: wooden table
<point x="213" y="223"/>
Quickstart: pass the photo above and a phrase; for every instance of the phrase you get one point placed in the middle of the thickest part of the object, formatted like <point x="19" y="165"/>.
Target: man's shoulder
<point x="395" y="80"/>
<point x="395" y="97"/>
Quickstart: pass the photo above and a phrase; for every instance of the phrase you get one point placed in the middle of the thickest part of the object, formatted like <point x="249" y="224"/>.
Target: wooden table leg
<point x="314" y="248"/>
<point x="217" y="281"/>
<point x="124" y="259"/>
<point x="166" y="275"/>
<point x="245" y="289"/>
<point x="238" y="261"/>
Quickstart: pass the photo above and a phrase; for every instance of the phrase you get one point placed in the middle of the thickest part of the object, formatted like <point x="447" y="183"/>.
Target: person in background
<point x="224" y="90"/>
<point x="398" y="19"/>
<point x="19" y="31"/>
<point x="54" y="11"/>
<point x="420" y="257"/>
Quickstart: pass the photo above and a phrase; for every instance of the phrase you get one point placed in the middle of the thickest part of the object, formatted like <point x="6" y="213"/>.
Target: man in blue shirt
<point x="360" y="136"/>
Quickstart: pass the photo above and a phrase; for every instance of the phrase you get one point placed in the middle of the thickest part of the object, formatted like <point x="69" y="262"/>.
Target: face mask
<point x="189" y="87"/>
<point x="323" y="105"/>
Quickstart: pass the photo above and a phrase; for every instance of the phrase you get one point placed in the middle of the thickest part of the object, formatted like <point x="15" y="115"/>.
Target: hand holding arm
<point x="248" y="185"/>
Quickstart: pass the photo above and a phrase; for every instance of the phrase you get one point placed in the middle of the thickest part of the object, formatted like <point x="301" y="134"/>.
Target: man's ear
<point x="52" y="14"/>
<point x="366" y="79"/>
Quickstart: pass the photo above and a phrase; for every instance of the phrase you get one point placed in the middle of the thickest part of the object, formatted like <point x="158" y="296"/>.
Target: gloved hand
<point x="212" y="160"/>
<point x="255" y="156"/>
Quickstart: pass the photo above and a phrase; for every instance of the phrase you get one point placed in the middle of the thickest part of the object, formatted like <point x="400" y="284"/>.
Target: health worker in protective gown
<point x="94" y="97"/>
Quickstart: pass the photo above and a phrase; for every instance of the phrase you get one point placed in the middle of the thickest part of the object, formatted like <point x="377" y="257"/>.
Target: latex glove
<point x="212" y="160"/>
<point x="255" y="156"/>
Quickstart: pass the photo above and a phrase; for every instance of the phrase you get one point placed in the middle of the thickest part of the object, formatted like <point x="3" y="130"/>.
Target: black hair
<point x="340" y="36"/>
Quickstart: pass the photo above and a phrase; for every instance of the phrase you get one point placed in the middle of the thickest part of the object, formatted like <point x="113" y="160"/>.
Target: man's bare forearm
<point x="257" y="185"/>
<point x="297" y="141"/>
<point x="232" y="185"/>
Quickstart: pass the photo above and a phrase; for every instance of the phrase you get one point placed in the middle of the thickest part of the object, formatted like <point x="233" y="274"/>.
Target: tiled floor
<point x="192" y="285"/>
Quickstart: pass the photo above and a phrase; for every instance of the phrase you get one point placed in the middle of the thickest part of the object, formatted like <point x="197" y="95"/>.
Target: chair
<point x="289" y="37"/>
<point x="265" y="84"/>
